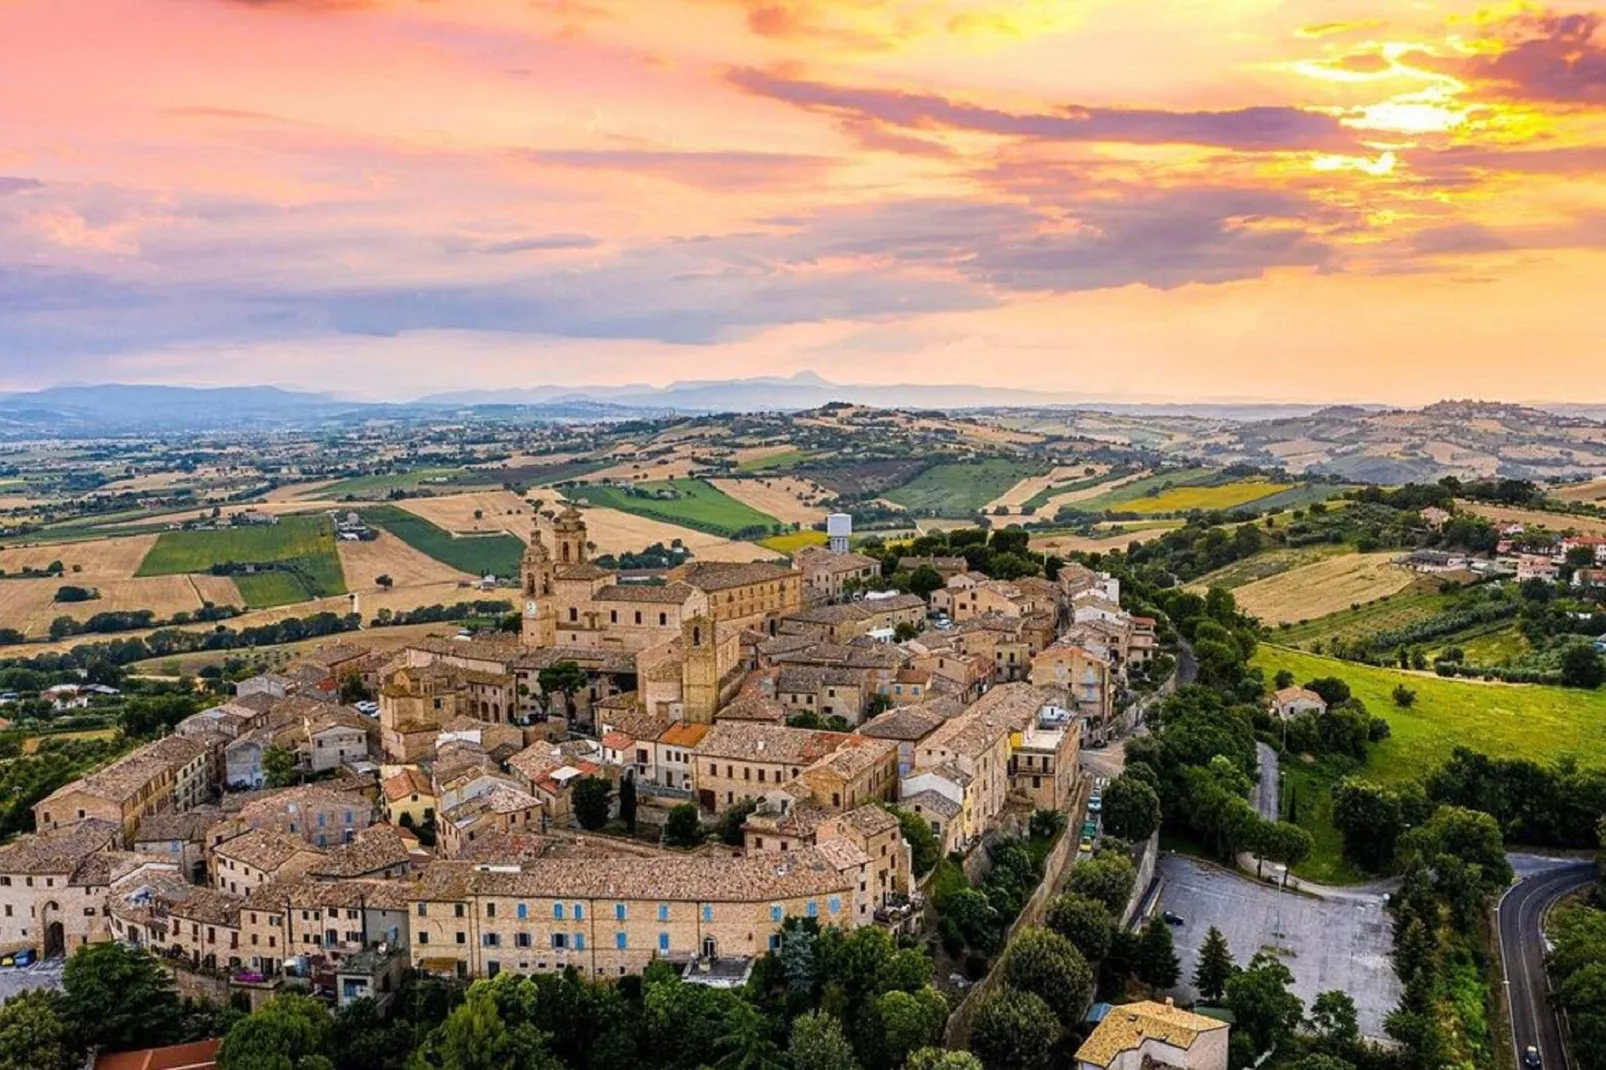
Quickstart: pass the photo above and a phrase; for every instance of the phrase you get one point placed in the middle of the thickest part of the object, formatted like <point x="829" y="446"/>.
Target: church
<point x="683" y="633"/>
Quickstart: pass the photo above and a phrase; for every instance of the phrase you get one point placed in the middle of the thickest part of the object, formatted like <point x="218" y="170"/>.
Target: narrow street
<point x="1267" y="792"/>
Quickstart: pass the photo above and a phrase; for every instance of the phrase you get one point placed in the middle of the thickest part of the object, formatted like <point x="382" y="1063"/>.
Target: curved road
<point x="1267" y="800"/>
<point x="1521" y="915"/>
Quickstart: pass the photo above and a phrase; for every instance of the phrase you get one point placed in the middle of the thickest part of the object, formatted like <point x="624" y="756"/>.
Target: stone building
<point x="171" y="773"/>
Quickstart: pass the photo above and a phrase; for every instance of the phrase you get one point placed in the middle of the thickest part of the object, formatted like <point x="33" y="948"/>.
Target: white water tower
<point x="838" y="532"/>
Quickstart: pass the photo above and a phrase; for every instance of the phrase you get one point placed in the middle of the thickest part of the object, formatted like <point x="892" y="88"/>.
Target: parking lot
<point x="1326" y="944"/>
<point x="44" y="974"/>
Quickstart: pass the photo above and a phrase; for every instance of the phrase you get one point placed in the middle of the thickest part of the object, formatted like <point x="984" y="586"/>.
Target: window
<point x="557" y="911"/>
<point x="775" y="941"/>
<point x="574" y="615"/>
<point x="348" y="817"/>
<point x="423" y="938"/>
<point x="579" y="912"/>
<point x="613" y="616"/>
<point x="814" y="909"/>
<point x="663" y="619"/>
<point x="560" y="940"/>
<point x="423" y="910"/>
<point x="490" y="910"/>
<point x="663" y="941"/>
<point x="708" y="912"/>
<point x="320" y="819"/>
<point x="835" y="904"/>
<point x="523" y="911"/>
<point x="490" y="940"/>
<point x="579" y="941"/>
<point x="492" y="968"/>
<point x="638" y="616"/>
<point x="461" y="938"/>
<point x="775" y="912"/>
<point x="457" y="909"/>
<point x="620" y="941"/>
<point x="521" y="940"/>
<point x="663" y="911"/>
<point x="618" y="912"/>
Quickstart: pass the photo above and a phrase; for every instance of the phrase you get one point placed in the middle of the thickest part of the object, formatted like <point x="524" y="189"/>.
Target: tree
<point x="1582" y="667"/>
<point x="683" y="827"/>
<point x="1319" y="1061"/>
<point x="1044" y="962"/>
<point x="1262" y="1006"/>
<point x="745" y="1043"/>
<point x="1131" y="808"/>
<point x="562" y="677"/>
<point x="1085" y="922"/>
<point x="489" y="1030"/>
<point x="942" y="1059"/>
<point x="290" y="1032"/>
<point x="1013" y="1030"/>
<point x="731" y="821"/>
<point x="593" y="797"/>
<point x="33" y="1035"/>
<point x="924" y="580"/>
<point x="1156" y="964"/>
<point x="627" y="802"/>
<point x="1214" y="968"/>
<point x="278" y="767"/>
<point x="1333" y="1018"/>
<point x="1371" y="818"/>
<point x="118" y="998"/>
<point x="1107" y="877"/>
<point x="1404" y="697"/>
<point x="905" y="631"/>
<point x="1332" y="689"/>
<point x="818" y="1043"/>
<point x="353" y="690"/>
<point x="384" y="581"/>
<point x="908" y="1022"/>
<point x="1283" y="679"/>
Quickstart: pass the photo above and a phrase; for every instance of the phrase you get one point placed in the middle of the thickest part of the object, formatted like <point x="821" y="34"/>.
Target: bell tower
<point x="699" y="673"/>
<point x="540" y="615"/>
<point x="569" y="535"/>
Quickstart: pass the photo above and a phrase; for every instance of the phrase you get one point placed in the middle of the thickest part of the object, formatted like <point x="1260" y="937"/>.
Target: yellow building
<point x="614" y="918"/>
<point x="409" y="793"/>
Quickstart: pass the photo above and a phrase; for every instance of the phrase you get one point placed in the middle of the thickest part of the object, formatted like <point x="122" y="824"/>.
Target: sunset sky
<point x="1369" y="200"/>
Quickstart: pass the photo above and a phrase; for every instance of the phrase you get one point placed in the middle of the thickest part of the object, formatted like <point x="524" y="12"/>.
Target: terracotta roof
<point x="1297" y="694"/>
<point x="685" y="734"/>
<point x="754" y="708"/>
<point x="618" y="740"/>
<point x="857" y="754"/>
<point x="172" y="825"/>
<point x="408" y="782"/>
<point x="264" y="849"/>
<point x="272" y="804"/>
<point x="500" y="800"/>
<point x="869" y="820"/>
<point x="757" y="741"/>
<point x="124" y="777"/>
<point x="673" y="594"/>
<point x="1126" y="1027"/>
<point x="376" y="848"/>
<point x="201" y="1055"/>
<point x="842" y="854"/>
<point x="722" y="575"/>
<point x="907" y="723"/>
<point x="757" y="878"/>
<point x="59" y="850"/>
<point x="930" y="802"/>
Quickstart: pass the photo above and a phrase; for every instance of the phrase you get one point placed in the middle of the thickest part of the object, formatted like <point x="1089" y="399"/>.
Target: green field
<point x="961" y="489"/>
<point x="1041" y="498"/>
<point x="264" y="590"/>
<point x="789" y="459"/>
<point x="791" y="543"/>
<point x="697" y="505"/>
<point x="1145" y="488"/>
<point x="1310" y="786"/>
<point x="1506" y="720"/>
<point x="1407" y="607"/>
<point x="305" y="544"/>
<point x="380" y="486"/>
<point x="479" y="555"/>
<point x="1488" y="644"/>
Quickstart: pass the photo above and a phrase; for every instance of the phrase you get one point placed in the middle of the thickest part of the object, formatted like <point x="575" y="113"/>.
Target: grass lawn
<point x="792" y="543"/>
<point x="379" y="486"/>
<point x="1487" y="644"/>
<point x="1506" y="720"/>
<point x="789" y="459"/>
<point x="961" y="489"/>
<point x="1309" y="786"/>
<point x="1409" y="606"/>
<point x="305" y="544"/>
<point x="697" y="505"/>
<point x="479" y="555"/>
<point x="1222" y="496"/>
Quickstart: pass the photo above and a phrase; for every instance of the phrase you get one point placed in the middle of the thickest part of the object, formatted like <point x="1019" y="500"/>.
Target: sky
<point x="1311" y="200"/>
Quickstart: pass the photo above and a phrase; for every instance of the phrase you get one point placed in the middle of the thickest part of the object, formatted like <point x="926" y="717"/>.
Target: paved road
<point x="43" y="974"/>
<point x="1266" y="792"/>
<point x="1341" y="943"/>
<point x="1187" y="664"/>
<point x="1522" y="952"/>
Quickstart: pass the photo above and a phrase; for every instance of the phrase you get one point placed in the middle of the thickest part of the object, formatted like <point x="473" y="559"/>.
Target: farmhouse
<point x="1293" y="701"/>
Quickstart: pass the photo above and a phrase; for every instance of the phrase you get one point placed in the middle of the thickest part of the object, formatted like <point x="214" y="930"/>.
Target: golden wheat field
<point x="499" y="510"/>
<point x="1016" y="496"/>
<point x="612" y="532"/>
<point x="776" y="496"/>
<point x="364" y="562"/>
<point x="96" y="559"/>
<point x="30" y="606"/>
<point x="1326" y="587"/>
<point x="1535" y="518"/>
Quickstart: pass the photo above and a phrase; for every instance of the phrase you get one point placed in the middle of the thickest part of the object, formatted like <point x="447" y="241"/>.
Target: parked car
<point x="26" y="957"/>
<point x="1172" y="918"/>
<point x="1087" y="843"/>
<point x="1095" y="805"/>
<point x="1531" y="1059"/>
